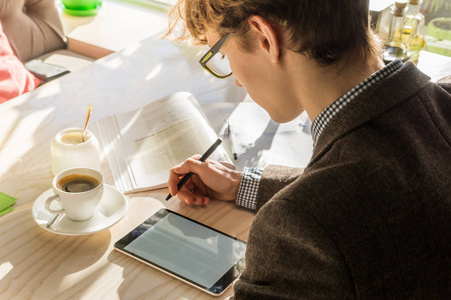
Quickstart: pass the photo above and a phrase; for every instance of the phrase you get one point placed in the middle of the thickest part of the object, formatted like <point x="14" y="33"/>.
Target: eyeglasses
<point x="217" y="65"/>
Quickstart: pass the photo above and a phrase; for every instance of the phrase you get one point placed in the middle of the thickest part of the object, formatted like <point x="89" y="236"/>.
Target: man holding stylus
<point x="369" y="217"/>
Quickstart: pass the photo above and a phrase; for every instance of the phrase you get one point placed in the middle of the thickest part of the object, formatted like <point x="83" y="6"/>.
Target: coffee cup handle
<point x="49" y="201"/>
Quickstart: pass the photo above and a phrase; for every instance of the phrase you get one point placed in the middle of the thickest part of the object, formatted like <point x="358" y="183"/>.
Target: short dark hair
<point x="323" y="30"/>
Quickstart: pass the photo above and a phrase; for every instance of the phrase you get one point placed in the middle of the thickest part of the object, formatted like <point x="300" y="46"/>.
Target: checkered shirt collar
<point x="332" y="110"/>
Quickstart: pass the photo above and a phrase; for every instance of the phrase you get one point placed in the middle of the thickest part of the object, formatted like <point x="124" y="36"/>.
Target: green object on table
<point x="6" y="203"/>
<point x="438" y="36"/>
<point x="81" y="7"/>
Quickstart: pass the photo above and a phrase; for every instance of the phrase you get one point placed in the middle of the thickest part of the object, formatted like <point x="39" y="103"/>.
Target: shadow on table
<point x="42" y="263"/>
<point x="145" y="282"/>
<point x="254" y="152"/>
<point x="122" y="81"/>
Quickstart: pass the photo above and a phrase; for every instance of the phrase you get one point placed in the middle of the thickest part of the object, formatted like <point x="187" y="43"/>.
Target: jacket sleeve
<point x="445" y="83"/>
<point x="275" y="178"/>
<point x="291" y="256"/>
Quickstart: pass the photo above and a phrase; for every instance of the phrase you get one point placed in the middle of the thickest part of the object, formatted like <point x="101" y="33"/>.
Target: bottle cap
<point x="415" y="2"/>
<point x="399" y="7"/>
<point x="401" y="4"/>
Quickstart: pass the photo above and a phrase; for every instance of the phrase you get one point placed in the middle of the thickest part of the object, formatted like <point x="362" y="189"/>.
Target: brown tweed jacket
<point x="370" y="216"/>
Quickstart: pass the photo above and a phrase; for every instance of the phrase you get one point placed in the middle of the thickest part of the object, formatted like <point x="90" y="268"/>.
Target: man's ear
<point x="267" y="37"/>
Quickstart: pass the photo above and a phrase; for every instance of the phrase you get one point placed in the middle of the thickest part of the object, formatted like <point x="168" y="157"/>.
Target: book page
<point x="163" y="150"/>
<point x="161" y="135"/>
<point x="142" y="145"/>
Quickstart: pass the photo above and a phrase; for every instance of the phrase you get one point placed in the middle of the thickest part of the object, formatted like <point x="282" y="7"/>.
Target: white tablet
<point x="188" y="250"/>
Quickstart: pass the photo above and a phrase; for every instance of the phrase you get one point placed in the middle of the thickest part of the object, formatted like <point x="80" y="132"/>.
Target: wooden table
<point x="37" y="264"/>
<point x="118" y="24"/>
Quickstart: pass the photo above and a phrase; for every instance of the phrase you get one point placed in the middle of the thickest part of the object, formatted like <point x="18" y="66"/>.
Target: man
<point x="369" y="216"/>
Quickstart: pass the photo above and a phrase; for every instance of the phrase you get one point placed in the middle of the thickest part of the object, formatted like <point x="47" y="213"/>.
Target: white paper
<point x="261" y="141"/>
<point x="143" y="145"/>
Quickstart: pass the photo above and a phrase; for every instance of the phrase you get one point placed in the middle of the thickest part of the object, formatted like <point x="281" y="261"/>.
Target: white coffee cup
<point x="69" y="151"/>
<point x="78" y="192"/>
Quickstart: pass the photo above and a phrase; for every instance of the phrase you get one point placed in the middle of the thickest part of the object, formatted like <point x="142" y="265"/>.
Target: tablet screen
<point x="196" y="253"/>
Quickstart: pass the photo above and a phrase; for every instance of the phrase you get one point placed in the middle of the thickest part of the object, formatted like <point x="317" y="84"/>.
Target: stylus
<point x="203" y="158"/>
<point x="232" y="140"/>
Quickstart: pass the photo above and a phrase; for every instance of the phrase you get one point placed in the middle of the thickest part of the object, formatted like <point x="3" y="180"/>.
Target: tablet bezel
<point x="217" y="289"/>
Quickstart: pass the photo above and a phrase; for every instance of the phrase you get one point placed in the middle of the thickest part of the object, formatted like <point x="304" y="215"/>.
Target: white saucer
<point x="111" y="209"/>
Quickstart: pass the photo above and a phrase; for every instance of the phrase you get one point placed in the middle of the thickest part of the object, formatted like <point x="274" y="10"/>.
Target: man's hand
<point x="211" y="179"/>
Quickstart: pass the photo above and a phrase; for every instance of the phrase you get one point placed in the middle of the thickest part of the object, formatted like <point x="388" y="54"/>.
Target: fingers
<point x="175" y="175"/>
<point x="210" y="178"/>
<point x="192" y="198"/>
<point x="190" y="165"/>
<point x="193" y="192"/>
<point x="198" y="183"/>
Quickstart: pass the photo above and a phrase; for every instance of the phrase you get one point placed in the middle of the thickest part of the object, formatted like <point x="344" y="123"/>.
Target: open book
<point x="143" y="145"/>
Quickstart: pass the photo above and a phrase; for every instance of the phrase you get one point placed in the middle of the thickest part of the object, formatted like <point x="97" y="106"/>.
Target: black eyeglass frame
<point x="212" y="52"/>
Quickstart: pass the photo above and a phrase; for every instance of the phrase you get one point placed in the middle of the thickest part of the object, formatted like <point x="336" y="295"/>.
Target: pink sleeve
<point x="15" y="80"/>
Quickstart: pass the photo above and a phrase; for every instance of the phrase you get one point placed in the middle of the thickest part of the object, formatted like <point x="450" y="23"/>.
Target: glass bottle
<point x="411" y="34"/>
<point x="396" y="47"/>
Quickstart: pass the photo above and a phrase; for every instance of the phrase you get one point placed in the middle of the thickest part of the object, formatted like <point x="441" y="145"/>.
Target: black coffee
<point x="77" y="183"/>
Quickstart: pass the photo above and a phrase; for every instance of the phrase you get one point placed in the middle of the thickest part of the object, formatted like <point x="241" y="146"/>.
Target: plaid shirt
<point x="247" y="193"/>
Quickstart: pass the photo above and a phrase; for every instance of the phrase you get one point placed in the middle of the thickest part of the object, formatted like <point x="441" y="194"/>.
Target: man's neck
<point x="327" y="84"/>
